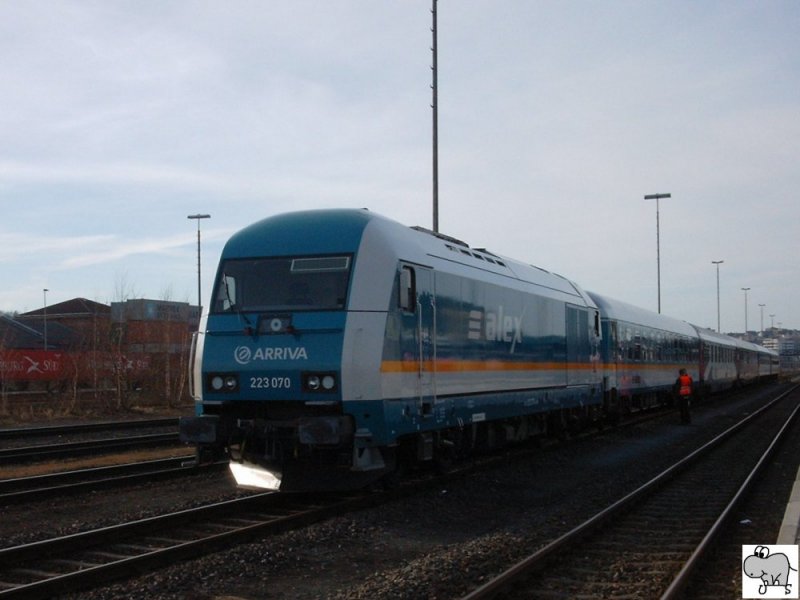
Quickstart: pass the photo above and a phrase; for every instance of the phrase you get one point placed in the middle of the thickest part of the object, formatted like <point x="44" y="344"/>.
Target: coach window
<point x="408" y="293"/>
<point x="629" y="342"/>
<point x="637" y="346"/>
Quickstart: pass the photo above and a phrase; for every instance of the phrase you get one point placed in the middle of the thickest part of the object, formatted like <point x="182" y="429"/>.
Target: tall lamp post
<point x="745" y="290"/>
<point x="772" y="323"/>
<point x="435" y="107"/>
<point x="44" y="317"/>
<point x="658" y="197"/>
<point x="198" y="217"/>
<point x="761" y="306"/>
<point x="718" y="263"/>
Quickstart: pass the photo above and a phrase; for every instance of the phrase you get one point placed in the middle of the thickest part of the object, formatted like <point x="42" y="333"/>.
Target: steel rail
<point x="38" y="487"/>
<point x="61" y="450"/>
<point x="53" y="430"/>
<point x="501" y="583"/>
<point x="681" y="580"/>
<point x="157" y="541"/>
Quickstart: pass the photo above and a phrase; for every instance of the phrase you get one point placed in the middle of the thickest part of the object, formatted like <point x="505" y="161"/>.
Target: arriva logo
<point x="495" y="326"/>
<point x="245" y="355"/>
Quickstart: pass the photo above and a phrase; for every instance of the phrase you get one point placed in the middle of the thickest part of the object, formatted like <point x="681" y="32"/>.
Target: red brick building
<point x="133" y="345"/>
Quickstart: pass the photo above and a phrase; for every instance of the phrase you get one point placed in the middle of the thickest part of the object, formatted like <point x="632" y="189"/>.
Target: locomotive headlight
<point x="223" y="382"/>
<point x="313" y="382"/>
<point x="320" y="382"/>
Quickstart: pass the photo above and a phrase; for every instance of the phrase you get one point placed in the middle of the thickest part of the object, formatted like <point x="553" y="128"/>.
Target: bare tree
<point x="3" y="375"/>
<point x="123" y="291"/>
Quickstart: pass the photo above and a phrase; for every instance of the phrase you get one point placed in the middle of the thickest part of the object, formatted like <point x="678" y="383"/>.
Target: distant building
<point x="155" y="326"/>
<point x="783" y="345"/>
<point x="94" y="344"/>
<point x="771" y="344"/>
<point x="76" y="323"/>
<point x="17" y="336"/>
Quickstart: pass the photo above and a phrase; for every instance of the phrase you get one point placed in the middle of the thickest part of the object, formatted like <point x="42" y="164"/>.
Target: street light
<point x="197" y="218"/>
<point x="772" y="323"/>
<point x="44" y="291"/>
<point x="762" y="317"/>
<point x="718" y="263"/>
<point x="658" y="197"/>
<point x="435" y="107"/>
<point x="745" y="290"/>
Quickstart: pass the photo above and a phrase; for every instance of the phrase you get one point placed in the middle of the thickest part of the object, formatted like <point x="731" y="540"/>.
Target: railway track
<point x="35" y="570"/>
<point x="39" y="487"/>
<point x="71" y="563"/>
<point x="83" y="448"/>
<point x="68" y="430"/>
<point x="89" y="559"/>
<point x="64" y="444"/>
<point x="650" y="543"/>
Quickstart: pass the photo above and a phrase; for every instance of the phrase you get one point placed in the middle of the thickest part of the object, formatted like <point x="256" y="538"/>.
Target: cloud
<point x="119" y="119"/>
<point x="74" y="252"/>
<point x="21" y="247"/>
<point x="108" y="173"/>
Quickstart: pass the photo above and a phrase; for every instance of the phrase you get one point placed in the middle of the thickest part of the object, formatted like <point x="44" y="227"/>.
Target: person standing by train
<point x="683" y="385"/>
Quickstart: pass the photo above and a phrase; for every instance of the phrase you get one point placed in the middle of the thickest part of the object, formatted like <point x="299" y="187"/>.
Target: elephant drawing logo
<point x="769" y="571"/>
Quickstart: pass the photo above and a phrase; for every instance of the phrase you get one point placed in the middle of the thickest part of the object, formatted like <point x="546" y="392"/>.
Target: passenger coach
<point x="642" y="353"/>
<point x="718" y="361"/>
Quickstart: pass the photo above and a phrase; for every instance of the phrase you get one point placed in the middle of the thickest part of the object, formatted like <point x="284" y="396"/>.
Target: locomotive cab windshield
<point x="282" y="284"/>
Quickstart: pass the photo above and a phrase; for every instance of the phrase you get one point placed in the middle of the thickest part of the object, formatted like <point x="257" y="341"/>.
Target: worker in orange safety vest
<point x="683" y="385"/>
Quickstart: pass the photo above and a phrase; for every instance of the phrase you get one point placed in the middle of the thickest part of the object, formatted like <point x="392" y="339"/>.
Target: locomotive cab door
<point x="419" y="299"/>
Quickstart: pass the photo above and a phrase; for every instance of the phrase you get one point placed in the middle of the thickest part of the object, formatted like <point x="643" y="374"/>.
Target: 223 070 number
<point x="270" y="383"/>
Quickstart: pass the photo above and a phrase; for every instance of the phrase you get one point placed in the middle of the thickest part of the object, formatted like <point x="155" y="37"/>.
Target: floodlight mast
<point x="658" y="197"/>
<point x="197" y="218"/>
<point x="435" y="107"/>
<point x="717" y="263"/>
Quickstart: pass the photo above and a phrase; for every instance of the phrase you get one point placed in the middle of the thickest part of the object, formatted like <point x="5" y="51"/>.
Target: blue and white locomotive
<point x="341" y="346"/>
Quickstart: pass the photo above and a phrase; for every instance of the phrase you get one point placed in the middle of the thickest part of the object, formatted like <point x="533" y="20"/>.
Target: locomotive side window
<point x="226" y="294"/>
<point x="408" y="292"/>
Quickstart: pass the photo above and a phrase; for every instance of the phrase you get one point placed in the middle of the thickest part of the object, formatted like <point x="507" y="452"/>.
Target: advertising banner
<point x="31" y="365"/>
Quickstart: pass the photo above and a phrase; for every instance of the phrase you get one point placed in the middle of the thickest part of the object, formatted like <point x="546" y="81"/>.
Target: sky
<point x="119" y="119"/>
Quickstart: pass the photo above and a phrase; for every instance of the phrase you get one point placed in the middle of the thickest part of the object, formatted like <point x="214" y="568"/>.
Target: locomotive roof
<point x="329" y="231"/>
<point x="622" y="311"/>
<point x="295" y="233"/>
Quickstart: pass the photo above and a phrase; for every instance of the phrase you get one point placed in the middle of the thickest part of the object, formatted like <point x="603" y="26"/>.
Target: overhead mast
<point x="435" y="107"/>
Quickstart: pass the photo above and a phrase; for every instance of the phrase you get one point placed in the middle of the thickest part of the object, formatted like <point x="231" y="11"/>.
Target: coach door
<point x="577" y="344"/>
<point x="583" y="346"/>
<point x="417" y="283"/>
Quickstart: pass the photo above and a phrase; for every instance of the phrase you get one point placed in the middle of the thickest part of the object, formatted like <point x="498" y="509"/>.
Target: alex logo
<point x="495" y="326"/>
